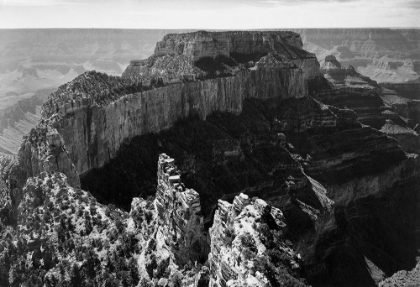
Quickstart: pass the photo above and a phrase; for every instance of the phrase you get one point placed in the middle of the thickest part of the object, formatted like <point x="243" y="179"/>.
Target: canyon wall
<point x="17" y="120"/>
<point x="407" y="90"/>
<point x="384" y="55"/>
<point x="93" y="133"/>
<point x="367" y="41"/>
<point x="251" y="104"/>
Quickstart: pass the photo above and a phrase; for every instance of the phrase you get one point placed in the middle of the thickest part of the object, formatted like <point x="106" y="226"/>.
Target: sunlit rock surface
<point x="249" y="246"/>
<point x="331" y="189"/>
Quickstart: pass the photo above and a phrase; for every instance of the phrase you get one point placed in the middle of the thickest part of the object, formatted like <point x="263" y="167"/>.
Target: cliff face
<point x="407" y="90"/>
<point x="17" y="120"/>
<point x="94" y="131"/>
<point x="346" y="75"/>
<point x="180" y="214"/>
<point x="264" y="134"/>
<point x="378" y="107"/>
<point x="209" y="54"/>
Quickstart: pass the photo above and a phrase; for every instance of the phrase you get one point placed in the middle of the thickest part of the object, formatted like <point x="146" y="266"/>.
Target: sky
<point x="204" y="14"/>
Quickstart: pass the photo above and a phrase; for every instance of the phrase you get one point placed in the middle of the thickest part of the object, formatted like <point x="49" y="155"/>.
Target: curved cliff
<point x="95" y="118"/>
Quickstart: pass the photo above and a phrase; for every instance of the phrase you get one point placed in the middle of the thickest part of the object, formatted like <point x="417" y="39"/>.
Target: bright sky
<point x="204" y="14"/>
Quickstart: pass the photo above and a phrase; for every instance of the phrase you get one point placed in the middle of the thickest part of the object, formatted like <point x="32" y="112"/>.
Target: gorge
<point x="287" y="172"/>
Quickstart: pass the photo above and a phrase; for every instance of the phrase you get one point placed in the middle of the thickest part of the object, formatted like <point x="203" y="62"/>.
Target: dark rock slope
<point x="282" y="188"/>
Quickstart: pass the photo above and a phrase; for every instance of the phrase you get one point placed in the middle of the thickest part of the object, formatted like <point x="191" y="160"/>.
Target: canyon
<point x="384" y="55"/>
<point x="288" y="171"/>
<point x="37" y="61"/>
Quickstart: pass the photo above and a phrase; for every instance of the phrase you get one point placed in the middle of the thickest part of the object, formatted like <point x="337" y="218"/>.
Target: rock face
<point x="375" y="106"/>
<point x="179" y="213"/>
<point x="321" y="151"/>
<point x="407" y="90"/>
<point x="346" y="75"/>
<point x="172" y="228"/>
<point x="209" y="54"/>
<point x="16" y="121"/>
<point x="354" y="91"/>
<point x="403" y="278"/>
<point x="236" y="133"/>
<point x="246" y="237"/>
<point x="94" y="129"/>
<point x="407" y="138"/>
<point x="392" y="70"/>
<point x="43" y="150"/>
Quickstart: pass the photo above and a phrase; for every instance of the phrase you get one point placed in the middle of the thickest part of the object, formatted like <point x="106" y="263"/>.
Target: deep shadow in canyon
<point x="228" y="154"/>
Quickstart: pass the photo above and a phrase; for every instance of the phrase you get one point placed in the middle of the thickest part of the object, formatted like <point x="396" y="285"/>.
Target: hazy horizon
<point x="203" y="14"/>
<point x="210" y="29"/>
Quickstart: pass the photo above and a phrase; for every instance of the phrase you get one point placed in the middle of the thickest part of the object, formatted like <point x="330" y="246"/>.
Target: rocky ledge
<point x="375" y="106"/>
<point x="250" y="247"/>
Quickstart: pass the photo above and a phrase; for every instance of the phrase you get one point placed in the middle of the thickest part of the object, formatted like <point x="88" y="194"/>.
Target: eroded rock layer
<point x="249" y="246"/>
<point x="378" y="107"/>
<point x="239" y="126"/>
<point x="98" y="113"/>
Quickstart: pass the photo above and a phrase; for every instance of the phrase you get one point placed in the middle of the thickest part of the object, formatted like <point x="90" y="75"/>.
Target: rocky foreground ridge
<point x="66" y="238"/>
<point x="283" y="188"/>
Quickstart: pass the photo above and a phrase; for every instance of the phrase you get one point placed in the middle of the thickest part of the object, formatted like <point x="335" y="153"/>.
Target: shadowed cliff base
<point x="228" y="154"/>
<point x="327" y="178"/>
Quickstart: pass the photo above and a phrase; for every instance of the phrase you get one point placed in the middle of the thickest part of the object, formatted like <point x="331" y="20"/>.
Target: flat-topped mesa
<point x="203" y="44"/>
<point x="204" y="55"/>
<point x="345" y="75"/>
<point x="95" y="113"/>
<point x="179" y="213"/>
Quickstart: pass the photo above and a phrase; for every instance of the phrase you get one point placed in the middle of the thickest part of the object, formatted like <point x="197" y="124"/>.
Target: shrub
<point x="248" y="241"/>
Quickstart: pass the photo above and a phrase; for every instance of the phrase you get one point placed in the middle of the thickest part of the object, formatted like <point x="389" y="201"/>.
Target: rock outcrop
<point x="403" y="278"/>
<point x="42" y="150"/>
<point x="406" y="137"/>
<point x="63" y="236"/>
<point x="179" y="212"/>
<point x="344" y="75"/>
<point x="237" y="129"/>
<point x="249" y="246"/>
<point x="392" y="70"/>
<point x="98" y="113"/>
<point x="375" y="106"/>
<point x="17" y="120"/>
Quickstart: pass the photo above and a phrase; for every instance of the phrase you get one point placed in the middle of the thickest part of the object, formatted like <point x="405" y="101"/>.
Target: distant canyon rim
<point x="240" y="158"/>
